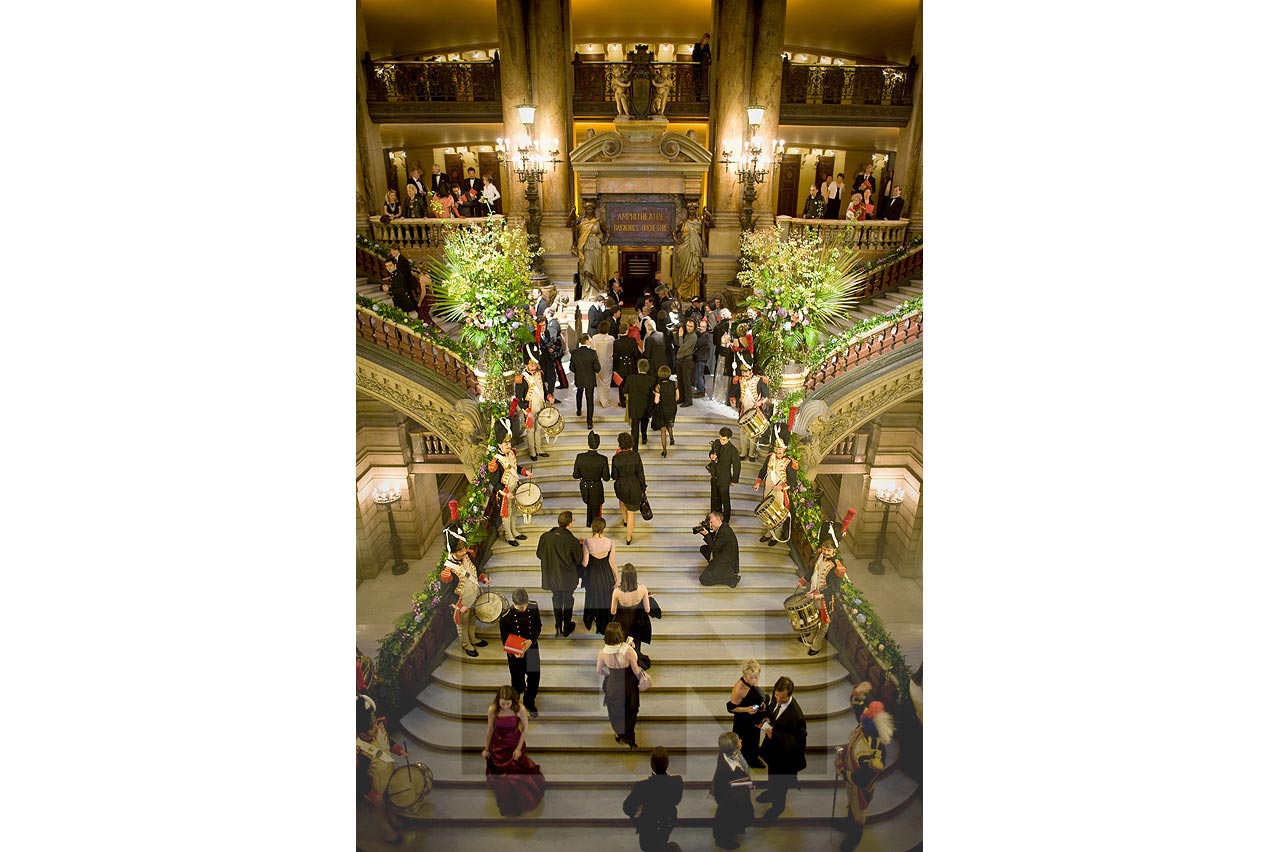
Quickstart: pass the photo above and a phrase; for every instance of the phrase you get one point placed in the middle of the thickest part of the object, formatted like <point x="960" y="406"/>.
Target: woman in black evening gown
<point x="628" y="481"/>
<point x="630" y="608"/>
<point x="600" y="578"/>
<point x="745" y="703"/>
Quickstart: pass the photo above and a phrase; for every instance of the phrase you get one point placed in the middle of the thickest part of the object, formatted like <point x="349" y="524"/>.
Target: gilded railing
<point x="871" y="236"/>
<point x="867" y="347"/>
<point x="890" y="275"/>
<point x="434" y="81"/>
<point x="418" y="233"/>
<point x="850" y="85"/>
<point x="407" y="343"/>
<point x="593" y="86"/>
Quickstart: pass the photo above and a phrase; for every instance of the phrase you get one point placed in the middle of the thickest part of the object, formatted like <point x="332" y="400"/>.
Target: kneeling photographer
<point x="720" y="551"/>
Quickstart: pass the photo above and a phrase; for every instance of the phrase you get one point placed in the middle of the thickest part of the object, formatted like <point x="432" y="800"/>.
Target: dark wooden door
<point x="393" y="180"/>
<point x="826" y="168"/>
<point x="788" y="185"/>
<point x="638" y="269"/>
<point x="454" y="169"/>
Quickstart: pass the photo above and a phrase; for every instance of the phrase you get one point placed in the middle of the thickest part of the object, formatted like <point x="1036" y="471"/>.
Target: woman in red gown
<point x="516" y="781"/>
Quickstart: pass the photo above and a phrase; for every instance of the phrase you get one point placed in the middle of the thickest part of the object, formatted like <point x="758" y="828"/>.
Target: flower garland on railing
<point x="430" y="332"/>
<point x="427" y="603"/>
<point x="808" y="519"/>
<point x="841" y="342"/>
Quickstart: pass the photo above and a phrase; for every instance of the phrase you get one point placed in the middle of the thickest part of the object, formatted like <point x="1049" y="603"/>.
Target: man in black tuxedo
<point x="836" y="196"/>
<point x="437" y="178"/>
<point x="472" y="187"/>
<point x="638" y="389"/>
<point x="560" y="552"/>
<point x="865" y="181"/>
<point x="785" y="738"/>
<point x="596" y="312"/>
<point x="655" y="346"/>
<point x="726" y="467"/>
<point x="401" y="284"/>
<point x="592" y="471"/>
<point x="584" y="363"/>
<point x="524" y="620"/>
<point x="892" y="209"/>
<point x="651" y="804"/>
<point x="415" y="178"/>
<point x="721" y="553"/>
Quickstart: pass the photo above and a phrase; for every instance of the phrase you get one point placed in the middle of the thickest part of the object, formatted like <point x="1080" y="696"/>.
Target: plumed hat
<point x="876" y="722"/>
<point x="831" y="537"/>
<point x="502" y="427"/>
<point x="454" y="537"/>
<point x="745" y="362"/>
<point x="778" y="435"/>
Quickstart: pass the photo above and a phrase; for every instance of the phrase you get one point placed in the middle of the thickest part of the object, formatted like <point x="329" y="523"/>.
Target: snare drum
<point x="409" y="786"/>
<point x="754" y="422"/>
<point x="528" y="499"/>
<point x="552" y="424"/>
<point x="772" y="510"/>
<point x="802" y="611"/>
<point x="489" y="607"/>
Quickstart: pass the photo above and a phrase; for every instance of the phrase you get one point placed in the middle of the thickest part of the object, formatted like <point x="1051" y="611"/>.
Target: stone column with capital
<point x="551" y="75"/>
<point x="371" y="169"/>
<point x="730" y="77"/>
<point x="513" y="52"/>
<point x="766" y="90"/>
<point x="908" y="168"/>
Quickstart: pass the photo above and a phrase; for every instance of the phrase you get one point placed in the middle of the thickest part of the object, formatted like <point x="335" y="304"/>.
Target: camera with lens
<point x="704" y="527"/>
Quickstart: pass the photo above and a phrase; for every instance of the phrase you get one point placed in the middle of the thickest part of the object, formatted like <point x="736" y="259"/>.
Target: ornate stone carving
<point x="459" y="425"/>
<point x="826" y="428"/>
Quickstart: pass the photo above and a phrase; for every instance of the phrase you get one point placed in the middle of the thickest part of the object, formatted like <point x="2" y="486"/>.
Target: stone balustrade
<point x="873" y="235"/>
<point x="409" y="344"/>
<point x="425" y="234"/>
<point x="868" y="346"/>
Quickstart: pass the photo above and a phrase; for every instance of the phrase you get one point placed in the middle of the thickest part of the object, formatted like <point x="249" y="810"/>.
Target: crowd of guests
<point x="441" y="199"/>
<point x="830" y="192"/>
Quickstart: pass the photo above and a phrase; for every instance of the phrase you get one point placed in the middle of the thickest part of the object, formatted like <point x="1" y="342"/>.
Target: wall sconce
<point x="450" y="151"/>
<point x="527" y="112"/>
<point x="755" y="115"/>
<point x="826" y="153"/>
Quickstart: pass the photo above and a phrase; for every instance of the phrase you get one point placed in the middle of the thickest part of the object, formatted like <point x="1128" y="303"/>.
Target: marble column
<point x="371" y="171"/>
<point x="766" y="90"/>
<point x="731" y="26"/>
<point x="513" y="53"/>
<point x="550" y="73"/>
<point x="908" y="168"/>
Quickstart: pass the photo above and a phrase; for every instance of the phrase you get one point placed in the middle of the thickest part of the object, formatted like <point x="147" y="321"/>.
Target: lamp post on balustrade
<point x="530" y="160"/>
<point x="753" y="165"/>
<point x="890" y="499"/>
<point x="387" y="498"/>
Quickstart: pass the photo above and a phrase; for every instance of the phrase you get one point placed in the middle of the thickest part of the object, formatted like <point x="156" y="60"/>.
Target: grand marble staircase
<point x="698" y="645"/>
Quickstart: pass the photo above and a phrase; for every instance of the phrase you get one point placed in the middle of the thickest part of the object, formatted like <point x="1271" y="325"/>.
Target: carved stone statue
<point x="590" y="238"/>
<point x="691" y="248"/>
<point x="621" y="91"/>
<point x="662" y="83"/>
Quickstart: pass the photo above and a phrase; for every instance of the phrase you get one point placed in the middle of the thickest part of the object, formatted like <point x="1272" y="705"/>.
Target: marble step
<point x="692" y="656"/>
<point x="591" y="731"/>
<point x="701" y="625"/>
<point x="746" y="600"/>
<point x="452" y="805"/>
<point x="669" y="568"/>
<point x="777" y="582"/>
<point x="706" y="702"/>
<point x="899" y="832"/>
<point x="577" y="675"/>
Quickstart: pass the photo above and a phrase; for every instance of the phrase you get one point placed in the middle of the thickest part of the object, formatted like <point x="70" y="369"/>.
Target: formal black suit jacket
<point x="595" y="313"/>
<point x="784" y="749"/>
<point x="436" y="180"/>
<point x="857" y="182"/>
<point x="626" y="352"/>
<point x="722" y="562"/>
<point x="727" y="466"/>
<point x="655" y="349"/>
<point x="469" y="184"/>
<point x="892" y="209"/>
<point x="652" y="801"/>
<point x="526" y="625"/>
<point x="593" y="470"/>
<point x="584" y="363"/>
<point x="422" y="187"/>
<point x="638" y="388"/>
<point x="722" y="790"/>
<point x="560" y="553"/>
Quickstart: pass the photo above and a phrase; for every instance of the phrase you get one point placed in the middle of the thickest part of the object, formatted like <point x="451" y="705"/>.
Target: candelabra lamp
<point x="530" y="159"/>
<point x="388" y="498"/>
<point x="753" y="165"/>
<point x="890" y="499"/>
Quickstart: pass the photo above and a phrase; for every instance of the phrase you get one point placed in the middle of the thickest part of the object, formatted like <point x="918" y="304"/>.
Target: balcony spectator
<point x="437" y="179"/>
<point x="415" y="204"/>
<point x="415" y="178"/>
<point x="490" y="195"/>
<point x="442" y="204"/>
<point x="701" y="56"/>
<point x="391" y="208"/>
<point x="825" y="191"/>
<point x="472" y="183"/>
<point x="892" y="209"/>
<point x="814" y="206"/>
<point x="835" y="195"/>
<point x="865" y="180"/>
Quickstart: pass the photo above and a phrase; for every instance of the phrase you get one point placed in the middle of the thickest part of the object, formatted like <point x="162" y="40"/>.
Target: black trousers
<point x="720" y="500"/>
<point x="639" y="427"/>
<point x="684" y="379"/>
<point x="594" y="510"/>
<point x="526" y="671"/>
<point x="591" y="402"/>
<point x="562" y="603"/>
<point x="777" y="787"/>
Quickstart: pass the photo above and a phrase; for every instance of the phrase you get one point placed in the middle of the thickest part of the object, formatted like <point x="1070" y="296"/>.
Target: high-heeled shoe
<point x="664" y="454"/>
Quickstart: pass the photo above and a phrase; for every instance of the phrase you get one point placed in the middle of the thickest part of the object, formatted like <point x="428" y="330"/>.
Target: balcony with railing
<point x="593" y="88"/>
<point x="433" y="91"/>
<point x="868" y="95"/>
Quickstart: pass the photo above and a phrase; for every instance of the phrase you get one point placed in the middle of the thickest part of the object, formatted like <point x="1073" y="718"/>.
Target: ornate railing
<point x="433" y="91"/>
<point x="418" y="233"/>
<point x="407" y="343"/>
<point x="369" y="265"/>
<point x="867" y="347"/>
<point x="427" y="445"/>
<point x="593" y="87"/>
<point x="886" y="277"/>
<point x="871" y="235"/>
<point x="850" y="85"/>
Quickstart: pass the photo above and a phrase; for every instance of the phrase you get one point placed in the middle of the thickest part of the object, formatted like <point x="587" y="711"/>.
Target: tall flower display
<point x="482" y="282"/>
<point x="798" y="286"/>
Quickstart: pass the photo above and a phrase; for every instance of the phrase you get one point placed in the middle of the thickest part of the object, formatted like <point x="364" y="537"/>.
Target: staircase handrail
<point x="379" y="324"/>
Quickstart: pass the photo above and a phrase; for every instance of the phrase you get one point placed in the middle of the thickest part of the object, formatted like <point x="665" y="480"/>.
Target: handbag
<point x="646" y="511"/>
<point x="646" y="681"/>
<point x="655" y="611"/>
<point x="617" y="380"/>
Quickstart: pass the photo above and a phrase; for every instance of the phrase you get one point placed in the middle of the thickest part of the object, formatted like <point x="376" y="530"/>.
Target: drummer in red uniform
<point x="504" y="475"/>
<point x="459" y="566"/>
<point x="748" y="391"/>
<point x="822" y="588"/>
<point x="531" y="397"/>
<point x="779" y="473"/>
